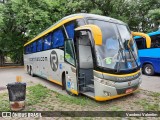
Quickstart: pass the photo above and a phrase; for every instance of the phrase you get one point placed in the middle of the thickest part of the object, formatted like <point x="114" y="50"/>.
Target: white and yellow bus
<point x="86" y="54"/>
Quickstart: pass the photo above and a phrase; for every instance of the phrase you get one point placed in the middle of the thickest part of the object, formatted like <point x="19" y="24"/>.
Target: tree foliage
<point x="21" y="20"/>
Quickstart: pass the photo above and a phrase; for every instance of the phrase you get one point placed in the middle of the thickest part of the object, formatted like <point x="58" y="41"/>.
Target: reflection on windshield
<point x="113" y="53"/>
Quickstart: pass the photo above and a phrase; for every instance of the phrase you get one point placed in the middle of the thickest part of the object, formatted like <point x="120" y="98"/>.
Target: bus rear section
<point x="150" y="58"/>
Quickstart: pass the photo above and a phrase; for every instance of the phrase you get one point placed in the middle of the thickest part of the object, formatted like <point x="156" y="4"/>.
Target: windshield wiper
<point x="120" y="51"/>
<point x="131" y="52"/>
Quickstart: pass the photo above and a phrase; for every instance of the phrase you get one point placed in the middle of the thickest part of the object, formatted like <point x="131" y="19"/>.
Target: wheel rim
<point x="148" y="70"/>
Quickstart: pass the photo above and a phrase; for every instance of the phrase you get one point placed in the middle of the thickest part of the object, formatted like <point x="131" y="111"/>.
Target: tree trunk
<point x="1" y="60"/>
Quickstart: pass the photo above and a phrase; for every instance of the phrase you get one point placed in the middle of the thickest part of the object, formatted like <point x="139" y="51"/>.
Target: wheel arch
<point x="63" y="80"/>
<point x="148" y="63"/>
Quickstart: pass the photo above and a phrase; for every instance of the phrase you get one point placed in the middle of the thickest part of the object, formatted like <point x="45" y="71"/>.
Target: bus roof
<point x="150" y="34"/>
<point x="70" y="18"/>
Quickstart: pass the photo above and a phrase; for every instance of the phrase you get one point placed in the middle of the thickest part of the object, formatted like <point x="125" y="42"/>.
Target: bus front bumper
<point x="105" y="92"/>
<point x="105" y="98"/>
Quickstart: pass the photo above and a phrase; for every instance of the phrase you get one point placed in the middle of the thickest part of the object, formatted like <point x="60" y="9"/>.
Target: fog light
<point x="107" y="93"/>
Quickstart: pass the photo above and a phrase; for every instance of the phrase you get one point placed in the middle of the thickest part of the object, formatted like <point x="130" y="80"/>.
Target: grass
<point x="41" y="98"/>
<point x="37" y="94"/>
<point x="78" y="100"/>
<point x="155" y="94"/>
<point x="4" y="102"/>
<point x="115" y="108"/>
<point x="148" y="106"/>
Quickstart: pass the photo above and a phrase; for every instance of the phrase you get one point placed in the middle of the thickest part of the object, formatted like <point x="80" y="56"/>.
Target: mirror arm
<point x="148" y="39"/>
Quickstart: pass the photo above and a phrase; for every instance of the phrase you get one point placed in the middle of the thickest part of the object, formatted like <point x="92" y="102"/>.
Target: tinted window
<point x="72" y="25"/>
<point x="29" y="48"/>
<point x="39" y="45"/>
<point x="141" y="43"/>
<point x="34" y="47"/>
<point x="155" y="41"/>
<point x="70" y="29"/>
<point x="58" y="38"/>
<point x="26" y="50"/>
<point x="47" y="42"/>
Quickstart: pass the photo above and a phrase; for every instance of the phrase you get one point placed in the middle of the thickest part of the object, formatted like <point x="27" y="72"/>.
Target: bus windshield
<point x="118" y="50"/>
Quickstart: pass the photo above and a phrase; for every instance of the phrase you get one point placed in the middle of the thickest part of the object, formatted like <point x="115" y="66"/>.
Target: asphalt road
<point x="8" y="75"/>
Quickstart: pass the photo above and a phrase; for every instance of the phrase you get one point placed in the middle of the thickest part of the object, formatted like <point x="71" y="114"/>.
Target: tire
<point x="148" y="70"/>
<point x="28" y="71"/>
<point x="65" y="86"/>
<point x="31" y="72"/>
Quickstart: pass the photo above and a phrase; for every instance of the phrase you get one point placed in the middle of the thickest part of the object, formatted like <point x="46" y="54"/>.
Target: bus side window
<point x="29" y="49"/>
<point x="34" y="47"/>
<point x="155" y="41"/>
<point x="141" y="44"/>
<point x="57" y="38"/>
<point x="70" y="29"/>
<point x="39" y="45"/>
<point x="72" y="25"/>
<point x="47" y="42"/>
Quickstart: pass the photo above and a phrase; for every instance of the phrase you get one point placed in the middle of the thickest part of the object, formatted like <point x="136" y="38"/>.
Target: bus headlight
<point x="107" y="93"/>
<point x="105" y="82"/>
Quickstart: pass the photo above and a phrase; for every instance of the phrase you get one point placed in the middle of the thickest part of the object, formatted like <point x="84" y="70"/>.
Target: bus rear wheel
<point x="28" y="71"/>
<point x="148" y="70"/>
<point x="31" y="72"/>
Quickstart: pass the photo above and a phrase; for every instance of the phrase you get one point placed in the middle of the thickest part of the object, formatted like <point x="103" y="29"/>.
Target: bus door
<point x="70" y="67"/>
<point x="84" y="61"/>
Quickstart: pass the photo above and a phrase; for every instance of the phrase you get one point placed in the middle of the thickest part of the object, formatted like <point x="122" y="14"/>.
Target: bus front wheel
<point x="148" y="70"/>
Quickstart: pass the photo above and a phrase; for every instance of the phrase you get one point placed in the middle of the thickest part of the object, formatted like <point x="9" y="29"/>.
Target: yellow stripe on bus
<point x="74" y="92"/>
<point x="119" y="75"/>
<point x="53" y="28"/>
<point x="55" y="81"/>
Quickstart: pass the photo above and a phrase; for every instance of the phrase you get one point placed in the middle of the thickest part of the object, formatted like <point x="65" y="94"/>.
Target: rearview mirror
<point x="148" y="39"/>
<point x="95" y="30"/>
<point x="128" y="44"/>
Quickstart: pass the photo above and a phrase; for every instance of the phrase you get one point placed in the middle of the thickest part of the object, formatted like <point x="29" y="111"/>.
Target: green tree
<point x="154" y="16"/>
<point x="22" y="20"/>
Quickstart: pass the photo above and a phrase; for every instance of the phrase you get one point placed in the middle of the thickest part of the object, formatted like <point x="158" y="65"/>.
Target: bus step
<point x="85" y="89"/>
<point x="92" y="80"/>
<point x="81" y="84"/>
<point x="90" y="86"/>
<point x="81" y="77"/>
<point x="89" y="94"/>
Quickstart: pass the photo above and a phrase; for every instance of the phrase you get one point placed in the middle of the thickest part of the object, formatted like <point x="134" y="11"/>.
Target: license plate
<point x="129" y="90"/>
